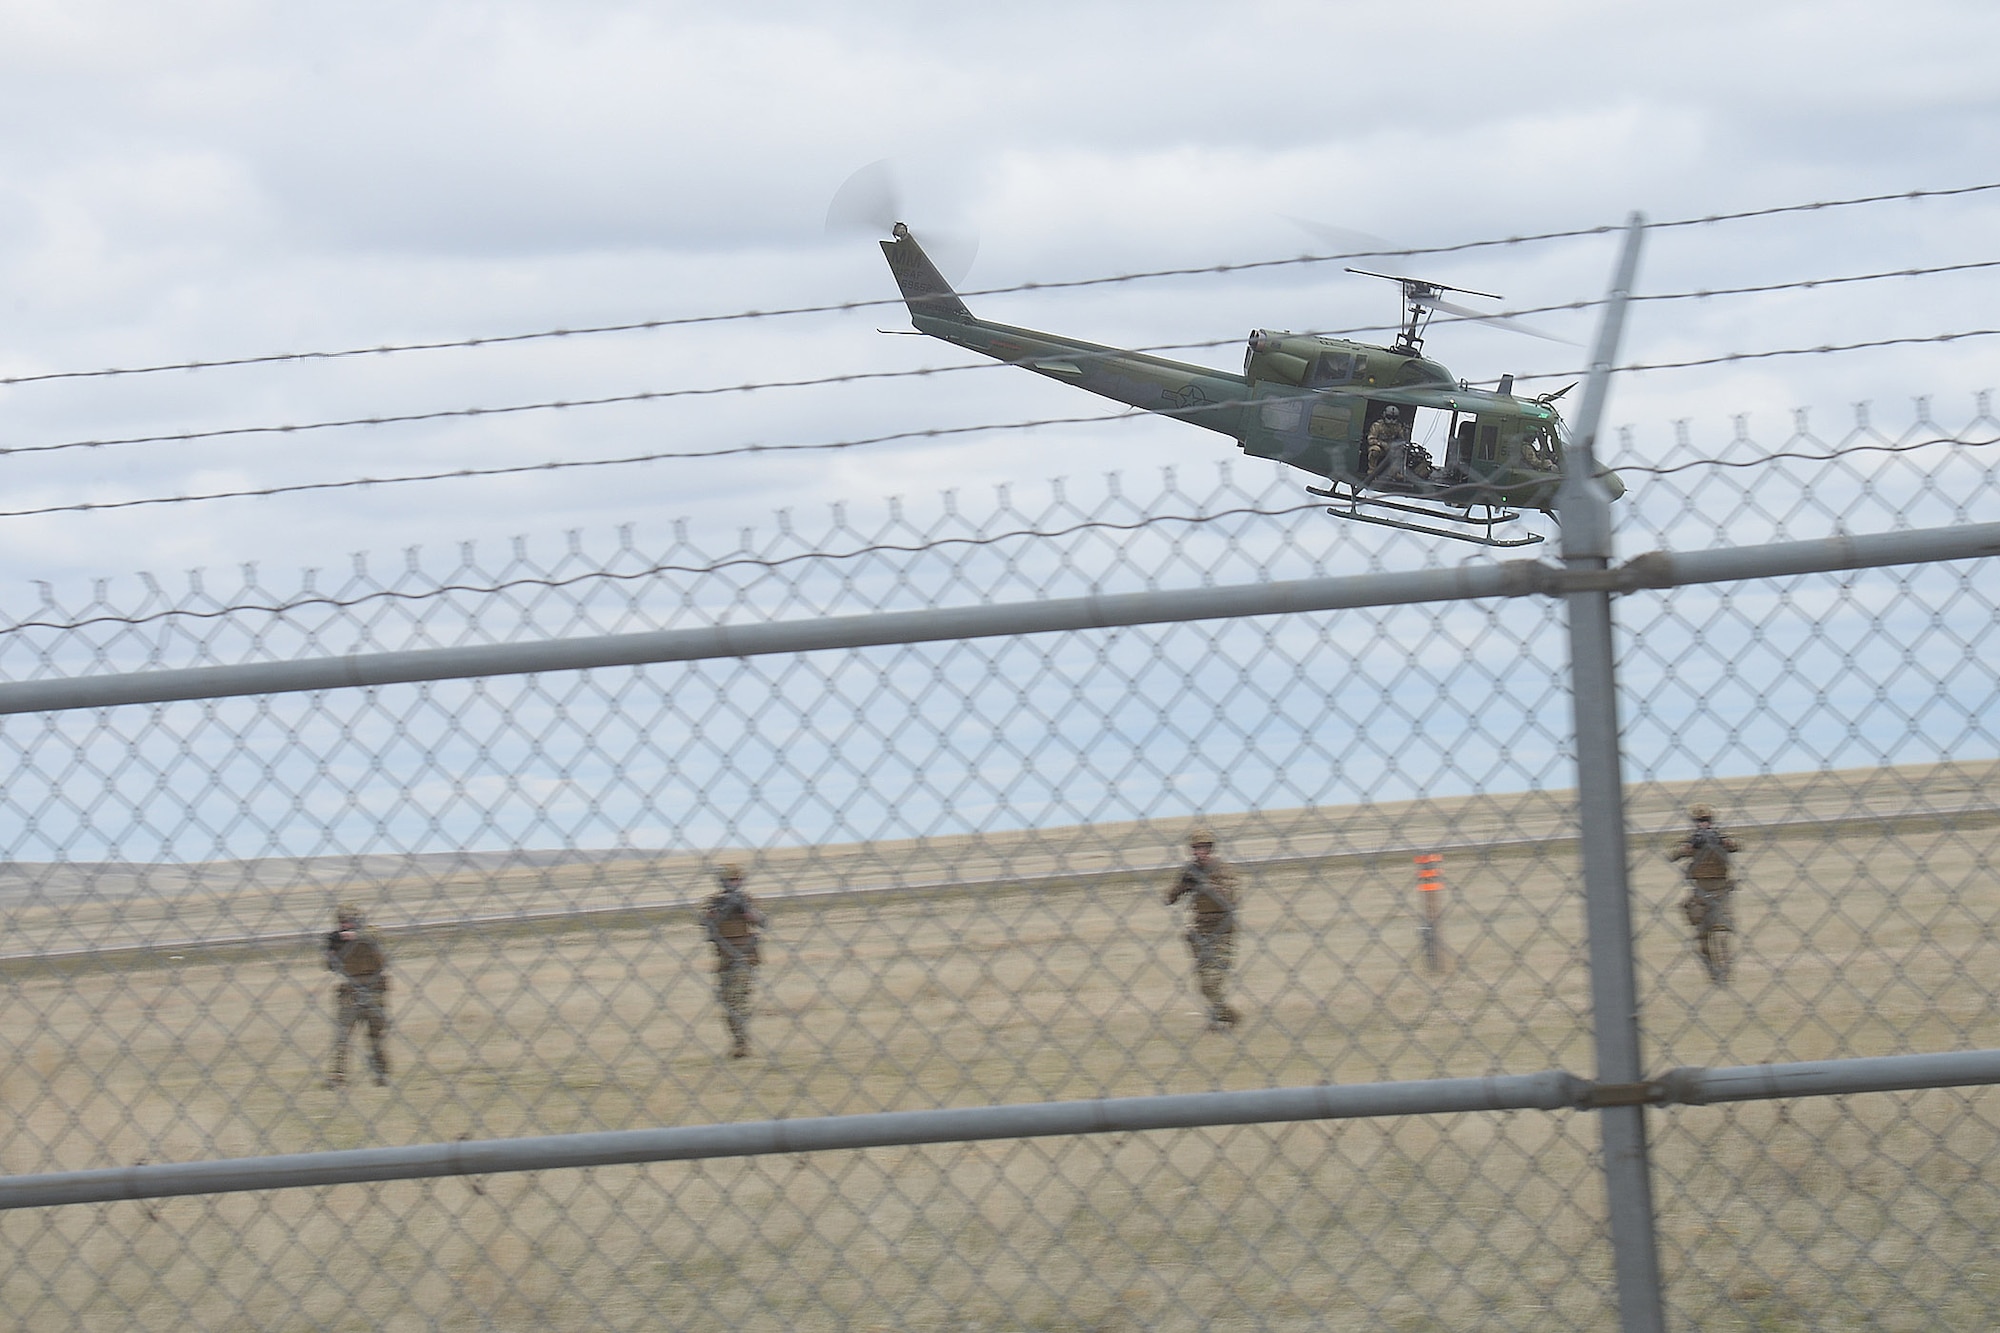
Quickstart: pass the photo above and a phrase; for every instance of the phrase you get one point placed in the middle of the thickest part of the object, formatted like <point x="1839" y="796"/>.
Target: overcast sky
<point x="212" y="180"/>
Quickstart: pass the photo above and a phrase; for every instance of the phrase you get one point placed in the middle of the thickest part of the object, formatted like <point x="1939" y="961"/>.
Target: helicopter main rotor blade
<point x="1415" y="288"/>
<point x="1343" y="239"/>
<point x="1498" y="321"/>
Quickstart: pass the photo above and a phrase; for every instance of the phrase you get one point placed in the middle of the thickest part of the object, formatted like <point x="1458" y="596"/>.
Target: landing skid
<point x="1484" y="537"/>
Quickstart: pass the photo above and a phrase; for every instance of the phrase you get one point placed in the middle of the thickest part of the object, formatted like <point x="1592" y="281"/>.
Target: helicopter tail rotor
<point x="867" y="200"/>
<point x="871" y="200"/>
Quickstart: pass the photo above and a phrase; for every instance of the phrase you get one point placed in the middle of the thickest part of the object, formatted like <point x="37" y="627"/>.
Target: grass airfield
<point x="1862" y="933"/>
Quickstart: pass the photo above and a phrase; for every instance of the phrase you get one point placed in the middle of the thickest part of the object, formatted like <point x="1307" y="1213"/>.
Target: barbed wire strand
<point x="1824" y="349"/>
<point x="932" y="432"/>
<point x="655" y="570"/>
<point x="854" y="377"/>
<point x="391" y="349"/>
<point x="1798" y="455"/>
<point x="917" y="548"/>
<point x="559" y="465"/>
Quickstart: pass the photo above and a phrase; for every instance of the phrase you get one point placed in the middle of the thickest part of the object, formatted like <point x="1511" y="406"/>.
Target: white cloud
<point x="234" y="178"/>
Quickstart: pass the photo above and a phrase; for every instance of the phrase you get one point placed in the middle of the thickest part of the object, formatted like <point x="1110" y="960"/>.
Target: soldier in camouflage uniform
<point x="355" y="955"/>
<point x="1706" y="850"/>
<point x="1384" y="435"/>
<point x="1209" y="885"/>
<point x="732" y="922"/>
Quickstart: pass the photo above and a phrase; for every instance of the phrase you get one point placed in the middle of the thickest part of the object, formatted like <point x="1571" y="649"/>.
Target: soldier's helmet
<point x="730" y="874"/>
<point x="347" y="914"/>
<point x="1699" y="812"/>
<point x="1391" y="413"/>
<point x="1201" y="837"/>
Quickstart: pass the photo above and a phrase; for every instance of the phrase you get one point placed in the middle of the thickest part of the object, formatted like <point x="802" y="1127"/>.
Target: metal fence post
<point x="1585" y="508"/>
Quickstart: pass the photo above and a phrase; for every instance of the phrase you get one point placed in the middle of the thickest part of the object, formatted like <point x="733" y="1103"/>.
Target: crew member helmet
<point x="1201" y="837"/>
<point x="729" y="873"/>
<point x="1700" y="812"/>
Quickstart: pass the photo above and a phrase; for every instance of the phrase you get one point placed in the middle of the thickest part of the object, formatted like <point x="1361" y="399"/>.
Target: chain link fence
<point x="963" y="848"/>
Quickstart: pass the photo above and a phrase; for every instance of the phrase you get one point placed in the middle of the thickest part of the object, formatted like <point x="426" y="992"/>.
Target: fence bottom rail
<point x="1548" y="1091"/>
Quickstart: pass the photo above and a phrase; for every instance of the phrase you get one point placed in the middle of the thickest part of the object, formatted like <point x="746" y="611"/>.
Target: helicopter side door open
<point x="1406" y="424"/>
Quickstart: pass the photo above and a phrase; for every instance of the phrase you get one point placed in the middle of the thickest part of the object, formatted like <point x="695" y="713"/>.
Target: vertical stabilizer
<point x="923" y="287"/>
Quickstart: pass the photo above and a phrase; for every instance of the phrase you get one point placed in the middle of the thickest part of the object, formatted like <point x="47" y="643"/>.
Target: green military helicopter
<point x="1346" y="411"/>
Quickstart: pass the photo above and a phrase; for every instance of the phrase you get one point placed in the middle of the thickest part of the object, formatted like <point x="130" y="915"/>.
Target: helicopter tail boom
<point x="924" y="289"/>
<point x="1198" y="395"/>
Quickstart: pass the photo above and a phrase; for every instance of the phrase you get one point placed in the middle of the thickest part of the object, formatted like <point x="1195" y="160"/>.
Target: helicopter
<point x="1337" y="409"/>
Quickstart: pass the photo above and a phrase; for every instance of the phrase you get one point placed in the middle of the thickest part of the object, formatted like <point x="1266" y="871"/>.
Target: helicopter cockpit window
<point x="1538" y="448"/>
<point x="1330" y="368"/>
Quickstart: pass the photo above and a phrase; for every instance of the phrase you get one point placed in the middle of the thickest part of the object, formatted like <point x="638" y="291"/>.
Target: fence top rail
<point x="1512" y="578"/>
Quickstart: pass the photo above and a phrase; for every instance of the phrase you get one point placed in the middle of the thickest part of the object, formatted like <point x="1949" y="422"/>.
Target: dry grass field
<point x="1048" y="976"/>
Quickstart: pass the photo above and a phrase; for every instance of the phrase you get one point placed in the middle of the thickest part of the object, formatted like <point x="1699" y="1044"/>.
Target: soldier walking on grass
<point x="732" y="922"/>
<point x="1209" y="885"/>
<point x="355" y="955"/>
<point x="1706" y="850"/>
